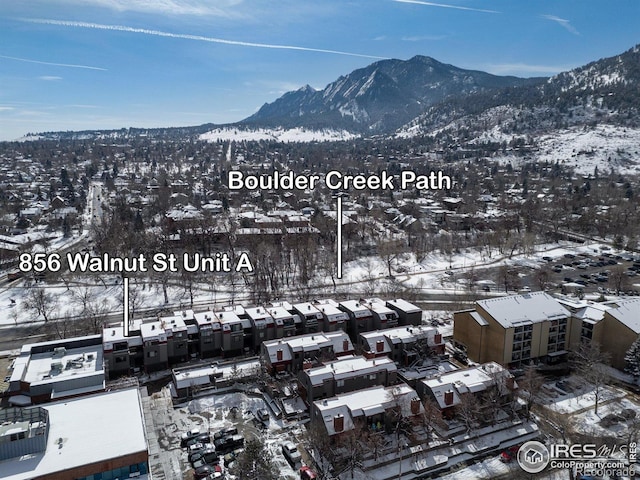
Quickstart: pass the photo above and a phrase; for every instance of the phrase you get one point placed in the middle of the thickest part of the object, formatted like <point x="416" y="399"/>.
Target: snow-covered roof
<point x="93" y="429"/>
<point x="205" y="318"/>
<point x="260" y="316"/>
<point x="348" y="367"/>
<point x="356" y="308"/>
<point x="628" y="313"/>
<point x="308" y="343"/>
<point x="111" y="335"/>
<point x="403" y="305"/>
<point x="468" y="380"/>
<point x="198" y="376"/>
<point x="279" y="313"/>
<point x="307" y="309"/>
<point x="367" y="402"/>
<point x="402" y="335"/>
<point x="172" y="324"/>
<point x="55" y="367"/>
<point x="330" y="311"/>
<point x="479" y="319"/>
<point x="528" y="308"/>
<point x="378" y="306"/>
<point x="153" y="331"/>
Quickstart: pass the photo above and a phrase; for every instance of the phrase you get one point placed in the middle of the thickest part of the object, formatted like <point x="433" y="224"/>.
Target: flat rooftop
<point x="41" y="368"/>
<point x="528" y="308"/>
<point x="93" y="429"/>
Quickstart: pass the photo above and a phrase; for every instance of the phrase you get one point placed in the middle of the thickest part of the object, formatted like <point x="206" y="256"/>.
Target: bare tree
<point x="432" y="416"/>
<point x="618" y="278"/>
<point x="389" y="250"/>
<point x="468" y="410"/>
<point x="40" y="302"/>
<point x="318" y="444"/>
<point x="589" y="361"/>
<point x="529" y="386"/>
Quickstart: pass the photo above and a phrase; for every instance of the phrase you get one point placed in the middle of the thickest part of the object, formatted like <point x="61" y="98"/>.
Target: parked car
<point x="291" y="453"/>
<point x="208" y="454"/>
<point x="202" y="438"/>
<point x="208" y="471"/>
<point x="231" y="456"/>
<point x="186" y="436"/>
<point x="225" y="433"/>
<point x="227" y="444"/>
<point x="262" y="414"/>
<point x="307" y="474"/>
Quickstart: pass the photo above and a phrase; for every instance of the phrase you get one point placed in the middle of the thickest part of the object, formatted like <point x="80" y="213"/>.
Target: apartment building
<point x="295" y="353"/>
<point x="514" y="329"/>
<point x="403" y="345"/>
<point x="346" y="374"/>
<point x="448" y="389"/>
<point x="374" y="409"/>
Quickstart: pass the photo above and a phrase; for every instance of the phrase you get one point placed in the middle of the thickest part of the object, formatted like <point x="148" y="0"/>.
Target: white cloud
<point x="525" y="68"/>
<point x="446" y="5"/>
<point x="199" y="38"/>
<point x="5" y="108"/>
<point x="49" y="78"/>
<point x="68" y="65"/>
<point x="563" y="23"/>
<point x="422" y="38"/>
<point x="220" y="8"/>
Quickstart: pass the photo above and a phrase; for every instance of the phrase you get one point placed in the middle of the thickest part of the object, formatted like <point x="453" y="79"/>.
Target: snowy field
<point x="365" y="276"/>
<point x="297" y="134"/>
<point x="573" y="396"/>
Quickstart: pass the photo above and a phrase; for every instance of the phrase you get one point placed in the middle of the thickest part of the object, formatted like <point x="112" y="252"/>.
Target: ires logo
<point x="571" y="452"/>
<point x="533" y="457"/>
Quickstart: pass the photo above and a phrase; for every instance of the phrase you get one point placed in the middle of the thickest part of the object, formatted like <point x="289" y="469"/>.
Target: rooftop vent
<point x="59" y="352"/>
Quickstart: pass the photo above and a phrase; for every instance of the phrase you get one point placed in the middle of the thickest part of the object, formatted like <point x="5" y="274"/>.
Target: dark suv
<point x="229" y="443"/>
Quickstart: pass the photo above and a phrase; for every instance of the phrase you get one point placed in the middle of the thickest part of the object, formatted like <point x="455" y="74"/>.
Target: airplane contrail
<point x="444" y="5"/>
<point x="200" y="38"/>
<point x="69" y="65"/>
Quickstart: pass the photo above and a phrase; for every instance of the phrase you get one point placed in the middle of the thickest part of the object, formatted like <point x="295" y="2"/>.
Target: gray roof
<point x="516" y="310"/>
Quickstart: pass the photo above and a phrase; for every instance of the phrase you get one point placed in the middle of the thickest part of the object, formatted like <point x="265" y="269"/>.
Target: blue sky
<point x="97" y="64"/>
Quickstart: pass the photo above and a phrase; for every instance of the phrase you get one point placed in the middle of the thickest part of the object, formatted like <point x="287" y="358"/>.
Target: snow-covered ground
<point x="298" y="134"/>
<point x="604" y="146"/>
<point x="364" y="276"/>
<point x="576" y="396"/>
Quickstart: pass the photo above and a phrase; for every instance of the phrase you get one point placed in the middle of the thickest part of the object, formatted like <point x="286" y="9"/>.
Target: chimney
<point x="345" y="345"/>
<point x="448" y="397"/>
<point x="380" y="346"/>
<point x="510" y="382"/>
<point x="415" y="406"/>
<point x="338" y="423"/>
<point x="279" y="354"/>
<point x="437" y="339"/>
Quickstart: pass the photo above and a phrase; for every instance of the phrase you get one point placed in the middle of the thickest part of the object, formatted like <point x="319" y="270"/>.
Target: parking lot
<point x="594" y="271"/>
<point x="210" y="414"/>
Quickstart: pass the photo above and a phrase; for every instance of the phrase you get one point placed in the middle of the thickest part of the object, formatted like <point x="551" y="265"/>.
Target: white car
<point x="291" y="453"/>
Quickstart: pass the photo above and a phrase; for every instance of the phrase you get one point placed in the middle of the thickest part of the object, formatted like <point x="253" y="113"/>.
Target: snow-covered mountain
<point x="422" y="96"/>
<point x="602" y="91"/>
<point x="381" y="97"/>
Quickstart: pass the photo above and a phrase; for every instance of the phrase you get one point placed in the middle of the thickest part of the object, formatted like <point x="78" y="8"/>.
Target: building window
<point x="340" y="383"/>
<point x="152" y="354"/>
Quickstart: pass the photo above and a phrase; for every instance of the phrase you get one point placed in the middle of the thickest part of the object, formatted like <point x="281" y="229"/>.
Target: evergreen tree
<point x="255" y="463"/>
<point x="633" y="359"/>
